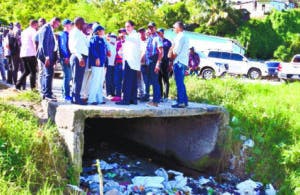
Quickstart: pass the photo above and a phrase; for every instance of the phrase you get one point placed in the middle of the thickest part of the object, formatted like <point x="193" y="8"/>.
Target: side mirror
<point x="245" y="60"/>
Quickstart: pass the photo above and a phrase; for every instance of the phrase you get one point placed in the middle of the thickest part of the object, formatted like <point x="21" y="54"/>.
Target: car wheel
<point x="208" y="73"/>
<point x="254" y="73"/>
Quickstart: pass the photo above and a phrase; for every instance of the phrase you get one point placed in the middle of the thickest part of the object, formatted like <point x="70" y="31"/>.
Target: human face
<point x="143" y="35"/>
<point x="151" y="29"/>
<point x="129" y="28"/>
<point x="68" y="27"/>
<point x="35" y="26"/>
<point x="56" y="24"/>
<point x="176" y="28"/>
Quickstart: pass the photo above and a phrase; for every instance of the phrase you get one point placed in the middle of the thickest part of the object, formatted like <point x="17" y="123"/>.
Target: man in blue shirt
<point x="153" y="55"/>
<point x="64" y="54"/>
<point x="96" y="59"/>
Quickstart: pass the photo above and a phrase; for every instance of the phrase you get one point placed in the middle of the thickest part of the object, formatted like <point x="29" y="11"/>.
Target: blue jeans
<point x="179" y="69"/>
<point x="109" y="79"/>
<point x="2" y="69"/>
<point x="153" y="80"/>
<point x="118" y="77"/>
<point x="77" y="72"/>
<point x="47" y="80"/>
<point x="145" y="73"/>
<point x="66" y="79"/>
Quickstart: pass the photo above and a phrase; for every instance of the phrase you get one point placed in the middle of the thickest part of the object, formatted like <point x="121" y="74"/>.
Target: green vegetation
<point x="268" y="114"/>
<point x="32" y="158"/>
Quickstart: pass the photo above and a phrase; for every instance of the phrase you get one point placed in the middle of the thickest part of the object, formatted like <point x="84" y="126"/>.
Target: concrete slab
<point x="193" y="135"/>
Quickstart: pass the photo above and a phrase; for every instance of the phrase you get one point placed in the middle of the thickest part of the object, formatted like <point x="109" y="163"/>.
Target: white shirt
<point x="181" y="48"/>
<point x="78" y="43"/>
<point x="5" y="45"/>
<point x="55" y="40"/>
<point x="28" y="42"/>
<point x="113" y="50"/>
<point x="132" y="50"/>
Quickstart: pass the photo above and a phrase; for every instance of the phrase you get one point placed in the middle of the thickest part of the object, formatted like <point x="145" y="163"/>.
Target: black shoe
<point x="122" y="103"/>
<point x="102" y="103"/>
<point x="94" y="103"/>
<point x="179" y="106"/>
<point x="133" y="102"/>
<point x="145" y="99"/>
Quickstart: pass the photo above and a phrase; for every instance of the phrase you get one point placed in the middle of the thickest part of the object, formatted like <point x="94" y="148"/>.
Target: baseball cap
<point x="161" y="30"/>
<point x="97" y="28"/>
<point x="151" y="24"/>
<point x="141" y="30"/>
<point x="66" y="21"/>
<point x="122" y="30"/>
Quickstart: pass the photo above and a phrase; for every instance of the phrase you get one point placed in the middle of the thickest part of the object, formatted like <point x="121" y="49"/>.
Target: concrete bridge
<point x="194" y="135"/>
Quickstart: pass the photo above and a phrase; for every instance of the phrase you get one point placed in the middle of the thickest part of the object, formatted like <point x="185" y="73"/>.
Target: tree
<point x="170" y="13"/>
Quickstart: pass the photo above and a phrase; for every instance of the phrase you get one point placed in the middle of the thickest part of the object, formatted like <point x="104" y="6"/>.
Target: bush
<point x="32" y="158"/>
<point x="268" y="114"/>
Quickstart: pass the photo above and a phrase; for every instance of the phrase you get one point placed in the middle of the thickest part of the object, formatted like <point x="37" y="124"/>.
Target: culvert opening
<point x="172" y="141"/>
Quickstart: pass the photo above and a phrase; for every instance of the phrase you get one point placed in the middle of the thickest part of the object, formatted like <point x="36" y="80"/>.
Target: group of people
<point x="127" y="63"/>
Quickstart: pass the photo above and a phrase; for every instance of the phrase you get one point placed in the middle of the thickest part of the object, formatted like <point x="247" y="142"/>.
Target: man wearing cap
<point x="164" y="66"/>
<point x="109" y="77"/>
<point x="153" y="56"/>
<point x="28" y="55"/>
<point x="132" y="62"/>
<point x="97" y="57"/>
<point x="180" y="59"/>
<point x="64" y="54"/>
<point x="47" y="54"/>
<point x="78" y="45"/>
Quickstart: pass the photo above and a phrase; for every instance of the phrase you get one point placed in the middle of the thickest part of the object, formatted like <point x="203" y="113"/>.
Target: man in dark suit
<point x="47" y="54"/>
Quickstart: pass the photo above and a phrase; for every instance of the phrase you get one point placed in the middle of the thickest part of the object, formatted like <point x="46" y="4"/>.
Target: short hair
<point x="180" y="24"/>
<point x="42" y="20"/>
<point x="55" y="19"/>
<point x="131" y="23"/>
<point x="33" y="22"/>
<point x="78" y="20"/>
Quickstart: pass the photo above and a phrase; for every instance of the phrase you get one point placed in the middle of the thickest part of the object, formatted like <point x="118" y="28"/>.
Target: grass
<point x="268" y="114"/>
<point x="32" y="158"/>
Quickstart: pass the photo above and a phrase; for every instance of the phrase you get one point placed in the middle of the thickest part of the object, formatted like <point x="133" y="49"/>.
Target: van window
<point x="296" y="59"/>
<point x="236" y="57"/>
<point x="214" y="54"/>
<point x="226" y="55"/>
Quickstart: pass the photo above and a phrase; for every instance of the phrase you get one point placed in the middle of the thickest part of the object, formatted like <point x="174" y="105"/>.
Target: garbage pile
<point x="129" y="177"/>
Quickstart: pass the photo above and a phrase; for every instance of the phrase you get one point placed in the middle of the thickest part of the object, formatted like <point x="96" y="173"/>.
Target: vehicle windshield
<point x="296" y="59"/>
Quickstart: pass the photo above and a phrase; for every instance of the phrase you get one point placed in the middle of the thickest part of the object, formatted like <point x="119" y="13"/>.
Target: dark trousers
<point x="118" y="78"/>
<point x="109" y="81"/>
<point x="164" y="78"/>
<point x="153" y="79"/>
<point x="179" y="70"/>
<point x="14" y="63"/>
<point x="130" y="85"/>
<point x="47" y="79"/>
<point x="77" y="72"/>
<point x="145" y="73"/>
<point x="30" y="64"/>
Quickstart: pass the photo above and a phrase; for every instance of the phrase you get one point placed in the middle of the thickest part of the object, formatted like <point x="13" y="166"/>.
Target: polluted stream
<point x="128" y="168"/>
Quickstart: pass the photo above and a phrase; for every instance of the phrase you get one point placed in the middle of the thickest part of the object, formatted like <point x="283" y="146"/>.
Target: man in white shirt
<point x="28" y="55"/>
<point x="132" y="62"/>
<point x="78" y="45"/>
<point x="181" y="59"/>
